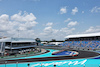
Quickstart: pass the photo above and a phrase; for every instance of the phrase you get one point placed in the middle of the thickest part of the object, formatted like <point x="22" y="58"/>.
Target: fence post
<point x="68" y="65"/>
<point x="28" y="65"/>
<point x="16" y="64"/>
<point x="5" y="63"/>
<point x="54" y="65"/>
<point x="84" y="65"/>
<point x="41" y="64"/>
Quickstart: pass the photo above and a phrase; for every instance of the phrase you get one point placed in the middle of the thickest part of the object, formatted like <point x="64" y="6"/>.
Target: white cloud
<point x="5" y="23"/>
<point x="27" y="21"/>
<point x="63" y="10"/>
<point x="23" y="18"/>
<point x="74" y="11"/>
<point x="67" y="20"/>
<point x="67" y="30"/>
<point x="95" y="9"/>
<point x="82" y="11"/>
<point x="50" y="33"/>
<point x="49" y="24"/>
<point x="48" y="30"/>
<point x="4" y="18"/>
<point x="93" y="29"/>
<point x="72" y="23"/>
<point x="9" y="26"/>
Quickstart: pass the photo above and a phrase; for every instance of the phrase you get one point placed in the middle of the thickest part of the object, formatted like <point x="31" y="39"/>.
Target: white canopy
<point x="83" y="35"/>
<point x="5" y="40"/>
<point x="56" y="43"/>
<point x="17" y="40"/>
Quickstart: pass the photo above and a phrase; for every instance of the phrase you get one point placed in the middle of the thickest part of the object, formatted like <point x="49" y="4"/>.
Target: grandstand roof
<point x="17" y="40"/>
<point x="83" y="35"/>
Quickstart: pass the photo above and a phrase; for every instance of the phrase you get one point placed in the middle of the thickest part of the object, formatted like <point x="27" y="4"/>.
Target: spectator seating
<point x="85" y="44"/>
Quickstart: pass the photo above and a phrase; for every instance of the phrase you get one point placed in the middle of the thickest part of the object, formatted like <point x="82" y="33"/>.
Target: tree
<point x="53" y="40"/>
<point x="38" y="40"/>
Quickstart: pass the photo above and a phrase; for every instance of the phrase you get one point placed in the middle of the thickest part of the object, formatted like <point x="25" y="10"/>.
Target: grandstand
<point x="85" y="41"/>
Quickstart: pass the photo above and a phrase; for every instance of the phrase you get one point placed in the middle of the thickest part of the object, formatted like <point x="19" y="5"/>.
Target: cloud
<point x="23" y="18"/>
<point x="72" y="23"/>
<point x="67" y="30"/>
<point x="9" y="25"/>
<point x="63" y="10"/>
<point x="48" y="30"/>
<point x="67" y="20"/>
<point x="95" y="9"/>
<point x="74" y="11"/>
<point x="4" y="18"/>
<point x="27" y="21"/>
<point x="82" y="11"/>
<point x="23" y="24"/>
<point x="49" y="24"/>
<point x="93" y="29"/>
<point x="50" y="33"/>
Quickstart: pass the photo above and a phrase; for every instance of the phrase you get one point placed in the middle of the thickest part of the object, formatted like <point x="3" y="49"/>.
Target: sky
<point x="48" y="19"/>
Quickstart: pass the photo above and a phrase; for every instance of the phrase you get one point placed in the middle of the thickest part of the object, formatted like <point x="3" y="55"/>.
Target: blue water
<point x="60" y="63"/>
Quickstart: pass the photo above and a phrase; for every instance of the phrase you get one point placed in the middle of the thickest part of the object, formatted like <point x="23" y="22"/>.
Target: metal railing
<point x="20" y="55"/>
<point x="53" y="65"/>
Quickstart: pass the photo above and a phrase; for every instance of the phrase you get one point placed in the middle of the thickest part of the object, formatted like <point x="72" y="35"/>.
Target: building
<point x="14" y="45"/>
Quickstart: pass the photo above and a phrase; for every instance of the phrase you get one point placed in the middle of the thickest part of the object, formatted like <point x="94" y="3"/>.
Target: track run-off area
<point x="84" y="57"/>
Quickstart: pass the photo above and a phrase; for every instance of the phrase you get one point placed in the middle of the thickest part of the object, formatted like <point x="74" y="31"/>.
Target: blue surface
<point x="65" y="53"/>
<point x="60" y="63"/>
<point x="49" y="54"/>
